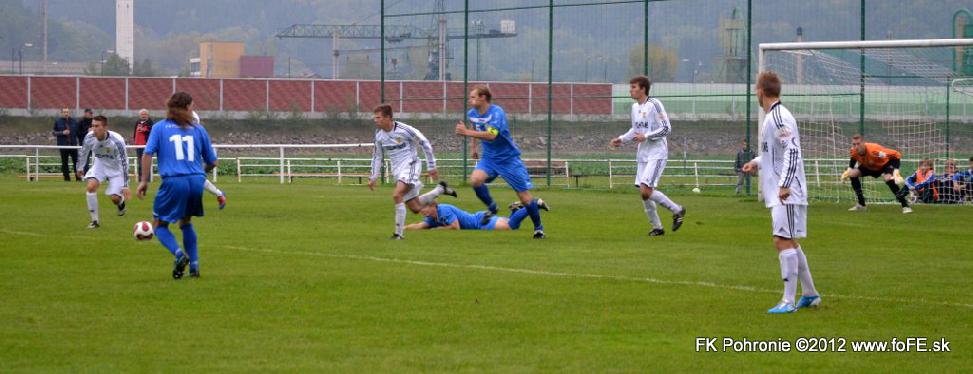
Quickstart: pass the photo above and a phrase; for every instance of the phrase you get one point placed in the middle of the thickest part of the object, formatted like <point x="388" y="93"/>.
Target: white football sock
<point x="428" y="197"/>
<point x="807" y="284"/>
<point x="399" y="218"/>
<point x="788" y="272"/>
<point x="650" y="211"/>
<point x="92" y="198"/>
<point x="664" y="200"/>
<point x="209" y="186"/>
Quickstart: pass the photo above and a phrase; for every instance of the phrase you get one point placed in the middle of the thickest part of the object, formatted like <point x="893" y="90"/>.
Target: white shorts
<point x="789" y="221"/>
<point x="649" y="173"/>
<point x="410" y="174"/>
<point x="116" y="180"/>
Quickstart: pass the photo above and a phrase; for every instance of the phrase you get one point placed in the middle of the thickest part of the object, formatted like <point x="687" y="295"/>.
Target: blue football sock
<point x="516" y="218"/>
<point x="189" y="242"/>
<point x="167" y="239"/>
<point x="484" y="194"/>
<point x="535" y="214"/>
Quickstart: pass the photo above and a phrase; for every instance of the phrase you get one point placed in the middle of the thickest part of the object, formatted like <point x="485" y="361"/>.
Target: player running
<point x="501" y="157"/>
<point x="399" y="142"/>
<point x="784" y="189"/>
<point x="650" y="126"/>
<point x="181" y="148"/>
<point x="449" y="217"/>
<point x="874" y="160"/>
<point x="111" y="164"/>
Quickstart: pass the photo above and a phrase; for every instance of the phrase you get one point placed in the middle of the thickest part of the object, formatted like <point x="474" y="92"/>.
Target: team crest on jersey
<point x="398" y="140"/>
<point x="645" y="114"/>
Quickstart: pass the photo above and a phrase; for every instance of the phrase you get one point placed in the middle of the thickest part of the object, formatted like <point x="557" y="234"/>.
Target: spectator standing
<point x="65" y="129"/>
<point x="743" y="156"/>
<point x="83" y="126"/>
<point x="143" y="127"/>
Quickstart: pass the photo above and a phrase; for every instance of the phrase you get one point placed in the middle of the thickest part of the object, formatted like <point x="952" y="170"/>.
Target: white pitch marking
<point x="588" y="276"/>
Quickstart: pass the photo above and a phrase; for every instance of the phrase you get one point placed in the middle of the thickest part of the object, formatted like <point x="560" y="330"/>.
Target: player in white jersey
<point x="207" y="185"/>
<point x="784" y="190"/>
<point x="650" y="126"/>
<point x="111" y="164"/>
<point x="399" y="141"/>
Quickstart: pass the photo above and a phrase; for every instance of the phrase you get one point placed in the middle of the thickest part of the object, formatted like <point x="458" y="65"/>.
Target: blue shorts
<point x="512" y="170"/>
<point x="179" y="197"/>
<point x="492" y="225"/>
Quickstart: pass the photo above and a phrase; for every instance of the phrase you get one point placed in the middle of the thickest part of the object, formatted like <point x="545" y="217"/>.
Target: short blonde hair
<point x="483" y="91"/>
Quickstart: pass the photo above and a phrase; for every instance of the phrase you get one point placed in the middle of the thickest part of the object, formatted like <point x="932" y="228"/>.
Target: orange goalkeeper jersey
<point x="875" y="157"/>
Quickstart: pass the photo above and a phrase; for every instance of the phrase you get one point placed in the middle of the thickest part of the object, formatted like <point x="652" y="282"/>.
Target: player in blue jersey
<point x="449" y="217"/>
<point x="182" y="148"/>
<point x="500" y="156"/>
<point x="963" y="183"/>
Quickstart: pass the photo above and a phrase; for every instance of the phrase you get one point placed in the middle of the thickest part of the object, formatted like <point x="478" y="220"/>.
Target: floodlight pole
<point x="748" y="155"/>
<point x="861" y="76"/>
<point x="466" y="79"/>
<point x="550" y="82"/>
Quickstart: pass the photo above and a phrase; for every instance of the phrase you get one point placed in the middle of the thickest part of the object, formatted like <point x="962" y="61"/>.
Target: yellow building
<point x="220" y="59"/>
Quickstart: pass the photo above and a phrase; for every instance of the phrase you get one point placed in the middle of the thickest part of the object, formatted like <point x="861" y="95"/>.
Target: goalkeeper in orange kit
<point x="874" y="160"/>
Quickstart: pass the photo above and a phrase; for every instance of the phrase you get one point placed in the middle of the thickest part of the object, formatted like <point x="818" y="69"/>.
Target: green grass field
<point x="302" y="278"/>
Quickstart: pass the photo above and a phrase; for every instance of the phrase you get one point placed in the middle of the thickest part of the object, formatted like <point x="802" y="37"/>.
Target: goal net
<point x="903" y="94"/>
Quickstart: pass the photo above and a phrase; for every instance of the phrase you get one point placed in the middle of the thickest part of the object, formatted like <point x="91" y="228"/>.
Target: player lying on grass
<point x="111" y="164"/>
<point x="449" y="217"/>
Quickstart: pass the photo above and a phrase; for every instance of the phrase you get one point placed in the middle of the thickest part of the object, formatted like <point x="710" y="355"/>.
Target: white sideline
<point x="584" y="275"/>
<point x="547" y="273"/>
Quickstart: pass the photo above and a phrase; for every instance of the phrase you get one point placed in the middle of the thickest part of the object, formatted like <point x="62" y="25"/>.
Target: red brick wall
<point x="102" y="93"/>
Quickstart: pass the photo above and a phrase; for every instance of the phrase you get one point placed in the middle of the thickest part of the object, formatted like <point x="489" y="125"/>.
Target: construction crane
<point x="436" y="38"/>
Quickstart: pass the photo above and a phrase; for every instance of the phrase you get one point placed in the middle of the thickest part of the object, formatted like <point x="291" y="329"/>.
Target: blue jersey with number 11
<point x="180" y="151"/>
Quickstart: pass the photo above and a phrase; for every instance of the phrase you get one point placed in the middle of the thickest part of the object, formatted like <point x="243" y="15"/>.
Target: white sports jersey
<point x="110" y="155"/>
<point x="650" y="119"/>
<point x="400" y="146"/>
<point x="781" y="163"/>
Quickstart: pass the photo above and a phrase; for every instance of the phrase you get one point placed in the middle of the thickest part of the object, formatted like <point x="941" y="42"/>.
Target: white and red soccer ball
<point x="143" y="231"/>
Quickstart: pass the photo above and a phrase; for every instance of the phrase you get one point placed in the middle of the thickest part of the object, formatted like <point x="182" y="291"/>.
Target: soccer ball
<point x="696" y="189"/>
<point x="143" y="231"/>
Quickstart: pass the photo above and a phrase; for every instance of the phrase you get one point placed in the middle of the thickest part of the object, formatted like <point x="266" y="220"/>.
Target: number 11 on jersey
<point x="178" y="142"/>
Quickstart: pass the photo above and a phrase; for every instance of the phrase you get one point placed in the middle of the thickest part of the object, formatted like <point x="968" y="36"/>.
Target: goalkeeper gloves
<point x="898" y="178"/>
<point x="844" y="176"/>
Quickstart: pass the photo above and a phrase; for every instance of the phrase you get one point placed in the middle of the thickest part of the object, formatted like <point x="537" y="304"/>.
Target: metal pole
<point x="645" y="39"/>
<point x="381" y="84"/>
<point x="948" y="89"/>
<point x="861" y="67"/>
<point x="466" y="78"/>
<point x="281" y="165"/>
<point x="381" y="89"/>
<point x="550" y="82"/>
<point x="749" y="100"/>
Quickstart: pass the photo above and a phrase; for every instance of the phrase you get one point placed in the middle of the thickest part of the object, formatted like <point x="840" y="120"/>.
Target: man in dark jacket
<point x="743" y="156"/>
<point x="83" y="125"/>
<point x="65" y="129"/>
